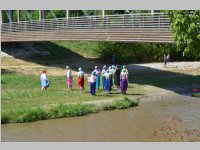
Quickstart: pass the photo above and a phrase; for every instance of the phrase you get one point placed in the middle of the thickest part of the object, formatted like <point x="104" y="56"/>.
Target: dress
<point x="97" y="72"/>
<point x="44" y="80"/>
<point x="69" y="78"/>
<point x="81" y="79"/>
<point x="124" y="82"/>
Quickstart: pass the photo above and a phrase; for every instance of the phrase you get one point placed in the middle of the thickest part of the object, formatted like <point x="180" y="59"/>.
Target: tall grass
<point x="30" y="114"/>
<point x="121" y="104"/>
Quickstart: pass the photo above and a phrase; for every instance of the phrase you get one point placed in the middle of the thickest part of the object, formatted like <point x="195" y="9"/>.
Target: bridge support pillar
<point x="18" y="16"/>
<point x="41" y="15"/>
<point x="103" y="13"/>
<point x="152" y="12"/>
<point x="67" y="14"/>
<point x="10" y="15"/>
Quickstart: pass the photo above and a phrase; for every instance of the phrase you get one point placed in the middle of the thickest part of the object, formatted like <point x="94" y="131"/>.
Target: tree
<point x="185" y="26"/>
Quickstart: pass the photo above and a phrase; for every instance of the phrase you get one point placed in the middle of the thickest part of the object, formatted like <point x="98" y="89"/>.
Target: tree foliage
<point x="185" y="26"/>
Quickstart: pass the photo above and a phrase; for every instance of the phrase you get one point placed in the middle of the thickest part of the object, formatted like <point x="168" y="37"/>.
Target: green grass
<point x="84" y="48"/>
<point x="30" y="114"/>
<point x="21" y="90"/>
<point x="121" y="104"/>
<point x="22" y="93"/>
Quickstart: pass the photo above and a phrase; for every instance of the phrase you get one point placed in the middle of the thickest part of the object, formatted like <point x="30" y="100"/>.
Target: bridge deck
<point x="138" y="28"/>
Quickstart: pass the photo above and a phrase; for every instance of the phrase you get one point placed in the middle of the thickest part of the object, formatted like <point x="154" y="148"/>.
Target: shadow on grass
<point x="60" y="57"/>
<point x="180" y="83"/>
<point x="6" y="71"/>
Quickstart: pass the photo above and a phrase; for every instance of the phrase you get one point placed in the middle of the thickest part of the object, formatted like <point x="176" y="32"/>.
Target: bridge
<point x="143" y="27"/>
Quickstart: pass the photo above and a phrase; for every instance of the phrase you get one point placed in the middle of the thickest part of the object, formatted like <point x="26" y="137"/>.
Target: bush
<point x="136" y="52"/>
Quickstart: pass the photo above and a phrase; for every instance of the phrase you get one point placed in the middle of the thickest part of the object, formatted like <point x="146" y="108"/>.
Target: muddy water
<point x="134" y="124"/>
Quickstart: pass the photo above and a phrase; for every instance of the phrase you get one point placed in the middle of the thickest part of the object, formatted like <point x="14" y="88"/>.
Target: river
<point x="133" y="124"/>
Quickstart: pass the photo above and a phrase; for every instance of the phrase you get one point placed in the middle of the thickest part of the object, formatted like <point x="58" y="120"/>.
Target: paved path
<point x="160" y="66"/>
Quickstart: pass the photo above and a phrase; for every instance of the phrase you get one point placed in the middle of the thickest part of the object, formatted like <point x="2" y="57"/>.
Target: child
<point x="165" y="60"/>
<point x="44" y="80"/>
<point x="69" y="77"/>
<point x="108" y="82"/>
<point x="98" y="74"/>
<point x="124" y="81"/>
<point x="103" y="77"/>
<point x="117" y="77"/>
<point x="81" y="79"/>
<point x="93" y="83"/>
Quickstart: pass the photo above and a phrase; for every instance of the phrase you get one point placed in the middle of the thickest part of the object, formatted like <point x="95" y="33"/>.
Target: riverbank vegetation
<point x="23" y="99"/>
<point x="30" y="114"/>
<point x="20" y="84"/>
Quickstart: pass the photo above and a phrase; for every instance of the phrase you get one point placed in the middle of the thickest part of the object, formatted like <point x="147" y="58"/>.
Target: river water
<point x="133" y="124"/>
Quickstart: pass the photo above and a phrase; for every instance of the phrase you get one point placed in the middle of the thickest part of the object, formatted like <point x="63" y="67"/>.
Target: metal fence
<point x="125" y="21"/>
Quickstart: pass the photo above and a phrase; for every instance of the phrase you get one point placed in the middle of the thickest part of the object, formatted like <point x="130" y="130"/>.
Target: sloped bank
<point x="29" y="114"/>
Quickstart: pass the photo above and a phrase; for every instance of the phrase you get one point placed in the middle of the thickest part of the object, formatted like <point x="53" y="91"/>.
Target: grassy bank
<point x="22" y="98"/>
<point x="20" y="90"/>
<point x="20" y="84"/>
<point x="125" y="52"/>
<point x="30" y="114"/>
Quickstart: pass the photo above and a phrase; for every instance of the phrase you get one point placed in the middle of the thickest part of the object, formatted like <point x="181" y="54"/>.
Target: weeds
<point x="121" y="104"/>
<point x="30" y="114"/>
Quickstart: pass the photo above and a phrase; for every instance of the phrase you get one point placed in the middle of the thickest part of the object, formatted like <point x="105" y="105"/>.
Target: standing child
<point x="69" y="77"/>
<point x="111" y="75"/>
<point x="81" y="79"/>
<point x="93" y="83"/>
<point x="117" y="77"/>
<point x="165" y="60"/>
<point x="103" y="77"/>
<point x="124" y="67"/>
<point x="108" y="82"/>
<point x="124" y="81"/>
<point x="98" y="74"/>
<point x="44" y="80"/>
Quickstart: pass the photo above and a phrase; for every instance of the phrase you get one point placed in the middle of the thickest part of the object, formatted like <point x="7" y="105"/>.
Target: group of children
<point x="109" y="76"/>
